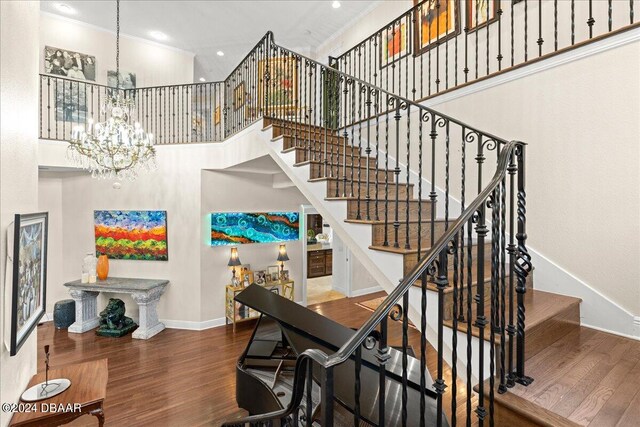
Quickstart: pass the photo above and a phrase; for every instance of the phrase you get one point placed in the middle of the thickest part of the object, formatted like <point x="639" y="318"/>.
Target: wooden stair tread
<point x="414" y="250"/>
<point x="540" y="306"/>
<point x="588" y="376"/>
<point x="513" y="410"/>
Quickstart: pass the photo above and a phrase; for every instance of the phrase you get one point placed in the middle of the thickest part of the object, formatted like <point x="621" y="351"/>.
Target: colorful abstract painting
<point x="395" y="44"/>
<point x="438" y="21"/>
<point x="136" y="235"/>
<point x="258" y="227"/>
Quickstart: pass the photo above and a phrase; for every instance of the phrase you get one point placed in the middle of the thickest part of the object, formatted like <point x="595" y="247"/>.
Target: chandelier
<point x="114" y="148"/>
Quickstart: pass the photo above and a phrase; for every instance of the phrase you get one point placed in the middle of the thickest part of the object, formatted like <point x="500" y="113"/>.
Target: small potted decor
<point x="311" y="236"/>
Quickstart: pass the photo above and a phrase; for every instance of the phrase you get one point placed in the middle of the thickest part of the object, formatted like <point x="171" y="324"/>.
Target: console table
<point x="85" y="396"/>
<point x="145" y="292"/>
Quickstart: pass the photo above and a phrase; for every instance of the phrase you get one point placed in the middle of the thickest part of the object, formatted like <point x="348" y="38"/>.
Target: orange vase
<point x="102" y="269"/>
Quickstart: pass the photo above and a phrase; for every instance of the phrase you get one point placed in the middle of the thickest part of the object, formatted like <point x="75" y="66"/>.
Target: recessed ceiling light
<point x="202" y="79"/>
<point x="158" y="35"/>
<point x="65" y="8"/>
<point x="220" y="53"/>
<point x="335" y="4"/>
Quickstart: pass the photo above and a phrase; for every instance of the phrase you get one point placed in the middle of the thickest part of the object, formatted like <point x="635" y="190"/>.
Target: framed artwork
<point x="233" y="228"/>
<point x="247" y="278"/>
<point x="127" y="80"/>
<point x="285" y="275"/>
<point x="134" y="235"/>
<point x="28" y="275"/>
<point x="260" y="277"/>
<point x="436" y="24"/>
<point x="395" y="43"/>
<point x="239" y="96"/>
<point x="283" y="83"/>
<point x="274" y="273"/>
<point x="67" y="63"/>
<point x="71" y="101"/>
<point x="216" y="116"/>
<point x="484" y="11"/>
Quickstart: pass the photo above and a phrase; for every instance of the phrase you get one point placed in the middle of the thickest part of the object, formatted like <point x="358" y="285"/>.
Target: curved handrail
<point x="340" y="356"/>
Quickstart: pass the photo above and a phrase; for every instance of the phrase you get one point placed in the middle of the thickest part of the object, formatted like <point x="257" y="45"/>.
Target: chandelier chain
<point x="117" y="44"/>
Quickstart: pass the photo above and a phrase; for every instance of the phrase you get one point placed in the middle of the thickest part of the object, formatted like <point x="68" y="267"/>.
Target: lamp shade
<point x="282" y="254"/>
<point x="234" y="260"/>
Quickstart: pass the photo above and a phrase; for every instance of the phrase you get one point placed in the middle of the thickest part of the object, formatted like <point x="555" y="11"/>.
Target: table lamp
<point x="282" y="257"/>
<point x="234" y="261"/>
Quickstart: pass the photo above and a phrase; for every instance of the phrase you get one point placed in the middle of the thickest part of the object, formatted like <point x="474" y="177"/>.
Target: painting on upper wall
<point x="70" y="64"/>
<point x="438" y="21"/>
<point x="135" y="235"/>
<point x="127" y="80"/>
<point x="480" y="13"/>
<point x="282" y="91"/>
<point x="28" y="269"/>
<point x="395" y="43"/>
<point x="71" y="101"/>
<point x="231" y="228"/>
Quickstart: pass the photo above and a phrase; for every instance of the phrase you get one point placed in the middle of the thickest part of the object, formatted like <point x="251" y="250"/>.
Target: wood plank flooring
<point x="187" y="378"/>
<point x="589" y="377"/>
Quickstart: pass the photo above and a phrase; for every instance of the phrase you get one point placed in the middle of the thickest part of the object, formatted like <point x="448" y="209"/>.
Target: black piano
<point x="264" y="372"/>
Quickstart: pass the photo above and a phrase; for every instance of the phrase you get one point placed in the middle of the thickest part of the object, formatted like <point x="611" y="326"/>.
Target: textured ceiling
<point x="234" y="27"/>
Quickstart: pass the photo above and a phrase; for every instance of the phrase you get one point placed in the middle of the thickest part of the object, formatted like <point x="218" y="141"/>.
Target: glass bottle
<point x="89" y="268"/>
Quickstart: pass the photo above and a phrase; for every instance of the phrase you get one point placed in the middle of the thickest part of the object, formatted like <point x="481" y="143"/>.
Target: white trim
<point x="366" y="291"/>
<point x="126" y="36"/>
<point x="590" y="49"/>
<point x="194" y="326"/>
<point x="597" y="310"/>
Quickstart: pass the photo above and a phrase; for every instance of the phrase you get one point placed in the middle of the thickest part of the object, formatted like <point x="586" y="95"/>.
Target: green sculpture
<point x="113" y="322"/>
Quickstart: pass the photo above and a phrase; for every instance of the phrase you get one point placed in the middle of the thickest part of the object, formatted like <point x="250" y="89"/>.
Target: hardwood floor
<point x="183" y="378"/>
<point x="187" y="378"/>
<point x="589" y="377"/>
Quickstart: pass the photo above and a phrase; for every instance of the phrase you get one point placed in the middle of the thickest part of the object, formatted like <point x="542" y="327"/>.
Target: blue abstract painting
<point x="258" y="227"/>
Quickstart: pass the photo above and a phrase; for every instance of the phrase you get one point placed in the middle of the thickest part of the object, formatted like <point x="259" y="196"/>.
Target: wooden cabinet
<point x="319" y="263"/>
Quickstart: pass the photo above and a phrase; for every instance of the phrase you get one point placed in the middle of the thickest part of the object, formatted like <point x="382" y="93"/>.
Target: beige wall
<point x="153" y="63"/>
<point x="243" y="192"/>
<point x="581" y="123"/>
<point x="18" y="166"/>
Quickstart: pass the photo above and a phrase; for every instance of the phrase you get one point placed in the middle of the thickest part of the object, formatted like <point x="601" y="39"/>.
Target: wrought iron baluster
<point x="386" y="167"/>
<point x="396" y="172"/>
<point x="383" y="357"/>
<point x="368" y="152"/>
<point x="591" y="20"/>
<point x="499" y="13"/>
<point x="476" y="34"/>
<point x="407" y="244"/>
<point x="630" y="12"/>
<point x="522" y="267"/>
<point x="309" y="402"/>
<point x="487" y="33"/>
<point x="610" y="14"/>
<point x="526" y="30"/>
<point x="555" y="25"/>
<point x="493" y="324"/>
<point x="540" y="39"/>
<point x="512" y="38"/>
<point x="326" y="392"/>
<point x="503" y="288"/>
<point x="442" y="282"/>
<point x="454" y="335"/>
<point x="481" y="321"/>
<point x="357" y="387"/>
<point x="573" y="22"/>
<point x="405" y="359"/>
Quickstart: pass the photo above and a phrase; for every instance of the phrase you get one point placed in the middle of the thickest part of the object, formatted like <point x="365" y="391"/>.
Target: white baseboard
<point x="171" y="324"/>
<point x="597" y="311"/>
<point x="366" y="291"/>
<point x="192" y="325"/>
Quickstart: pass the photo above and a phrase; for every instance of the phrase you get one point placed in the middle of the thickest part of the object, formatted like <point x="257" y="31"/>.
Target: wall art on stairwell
<point x="282" y="93"/>
<point x="438" y="21"/>
<point x="395" y="43"/>
<point x="232" y="228"/>
<point x="127" y="80"/>
<point x="482" y="11"/>
<point x="26" y="276"/>
<point x="134" y="235"/>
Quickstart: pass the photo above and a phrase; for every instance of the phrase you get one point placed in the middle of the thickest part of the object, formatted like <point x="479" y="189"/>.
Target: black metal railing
<point x="439" y="45"/>
<point x="418" y="177"/>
